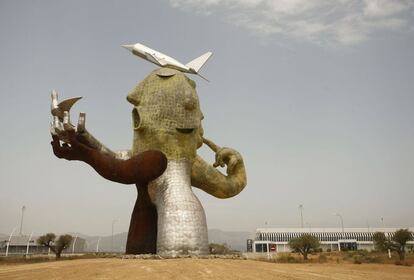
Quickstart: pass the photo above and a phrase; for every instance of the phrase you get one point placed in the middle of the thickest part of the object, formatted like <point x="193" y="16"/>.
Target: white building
<point x="26" y="245"/>
<point x="335" y="239"/>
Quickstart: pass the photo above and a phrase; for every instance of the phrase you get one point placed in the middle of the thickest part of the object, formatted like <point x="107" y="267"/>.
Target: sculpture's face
<point x="167" y="115"/>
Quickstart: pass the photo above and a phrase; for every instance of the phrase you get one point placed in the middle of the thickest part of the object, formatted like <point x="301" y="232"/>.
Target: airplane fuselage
<point x="158" y="58"/>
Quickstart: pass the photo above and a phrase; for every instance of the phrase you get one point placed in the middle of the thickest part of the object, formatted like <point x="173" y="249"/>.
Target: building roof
<point x="336" y="229"/>
<point x="20" y="240"/>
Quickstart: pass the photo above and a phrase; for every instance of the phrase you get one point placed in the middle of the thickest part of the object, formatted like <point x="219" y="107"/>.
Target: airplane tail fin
<point x="197" y="63"/>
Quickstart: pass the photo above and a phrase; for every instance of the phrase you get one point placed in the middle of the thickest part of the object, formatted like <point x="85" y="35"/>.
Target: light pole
<point x="342" y="221"/>
<point x="112" y="235"/>
<point x="97" y="245"/>
<point x="8" y="242"/>
<point x="73" y="245"/>
<point x="28" y="244"/>
<point x="309" y="226"/>
<point x="21" y="220"/>
<point x="301" y="215"/>
<point x="383" y="230"/>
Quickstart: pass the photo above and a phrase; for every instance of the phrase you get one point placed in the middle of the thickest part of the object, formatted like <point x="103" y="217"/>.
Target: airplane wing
<point x="155" y="59"/>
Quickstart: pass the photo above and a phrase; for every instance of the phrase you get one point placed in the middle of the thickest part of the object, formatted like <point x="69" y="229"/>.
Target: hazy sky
<point x="318" y="97"/>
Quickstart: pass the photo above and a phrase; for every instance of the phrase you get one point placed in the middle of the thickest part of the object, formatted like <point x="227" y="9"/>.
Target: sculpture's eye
<point x="136" y="119"/>
<point x="190" y="103"/>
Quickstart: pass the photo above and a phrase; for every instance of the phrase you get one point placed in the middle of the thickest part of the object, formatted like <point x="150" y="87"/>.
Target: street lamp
<point x="342" y="221"/>
<point x="8" y="242"/>
<point x="301" y="215"/>
<point x="21" y="220"/>
<point x="73" y="245"/>
<point x="112" y="235"/>
<point x="309" y="226"/>
<point x="97" y="245"/>
<point x="28" y="244"/>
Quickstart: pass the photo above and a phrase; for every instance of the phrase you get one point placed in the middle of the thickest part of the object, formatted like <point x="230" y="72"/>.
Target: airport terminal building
<point x="274" y="240"/>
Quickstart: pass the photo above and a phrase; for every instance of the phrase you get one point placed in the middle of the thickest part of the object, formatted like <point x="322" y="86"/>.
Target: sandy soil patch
<point x="200" y="269"/>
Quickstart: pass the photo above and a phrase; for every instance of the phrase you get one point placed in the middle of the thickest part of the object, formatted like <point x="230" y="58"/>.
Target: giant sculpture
<point x="167" y="219"/>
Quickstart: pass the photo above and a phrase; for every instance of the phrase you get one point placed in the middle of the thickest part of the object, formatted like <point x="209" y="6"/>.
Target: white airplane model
<point x="163" y="60"/>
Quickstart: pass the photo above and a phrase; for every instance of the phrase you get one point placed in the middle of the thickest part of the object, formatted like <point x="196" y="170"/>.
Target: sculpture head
<point x="167" y="115"/>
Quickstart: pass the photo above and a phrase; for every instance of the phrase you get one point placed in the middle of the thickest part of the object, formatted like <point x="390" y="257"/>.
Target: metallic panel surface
<point x="182" y="227"/>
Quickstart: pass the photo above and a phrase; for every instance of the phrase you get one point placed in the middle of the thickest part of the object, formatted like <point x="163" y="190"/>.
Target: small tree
<point x="304" y="244"/>
<point x="396" y="243"/>
<point x="57" y="246"/>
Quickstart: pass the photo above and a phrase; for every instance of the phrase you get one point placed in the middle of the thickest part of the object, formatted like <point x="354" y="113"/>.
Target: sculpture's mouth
<point x="185" y="130"/>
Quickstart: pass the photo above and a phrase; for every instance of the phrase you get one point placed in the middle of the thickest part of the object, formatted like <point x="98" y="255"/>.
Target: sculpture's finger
<point x="211" y="145"/>
<point x="81" y="123"/>
<point x="71" y="136"/>
<point x="225" y="153"/>
<point x="66" y="122"/>
<point x="232" y="162"/>
<point x="52" y="129"/>
<point x="55" y="101"/>
<point x="217" y="163"/>
<point x="219" y="160"/>
<point x="58" y="126"/>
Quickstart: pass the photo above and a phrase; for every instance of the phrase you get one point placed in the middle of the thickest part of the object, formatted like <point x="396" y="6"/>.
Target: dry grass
<point x="350" y="257"/>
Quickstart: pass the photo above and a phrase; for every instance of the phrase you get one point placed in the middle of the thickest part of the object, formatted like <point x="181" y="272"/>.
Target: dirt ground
<point x="200" y="269"/>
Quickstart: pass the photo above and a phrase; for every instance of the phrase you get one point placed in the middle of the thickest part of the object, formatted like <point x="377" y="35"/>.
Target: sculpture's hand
<point x="71" y="149"/>
<point x="82" y="134"/>
<point x="140" y="169"/>
<point x="60" y="111"/>
<point x="229" y="157"/>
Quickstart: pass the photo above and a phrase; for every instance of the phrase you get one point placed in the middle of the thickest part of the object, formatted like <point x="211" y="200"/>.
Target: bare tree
<point x="57" y="246"/>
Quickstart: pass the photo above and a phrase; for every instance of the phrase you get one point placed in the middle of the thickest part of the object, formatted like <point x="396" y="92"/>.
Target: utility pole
<point x="8" y="242"/>
<point x="112" y="235"/>
<point x="301" y="215"/>
<point x="21" y="220"/>
<point x="28" y="244"/>
<point x="342" y="221"/>
<point x="97" y="245"/>
<point x="73" y="245"/>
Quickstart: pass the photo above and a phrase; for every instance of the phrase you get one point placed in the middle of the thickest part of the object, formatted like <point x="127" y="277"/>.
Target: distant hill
<point x="105" y="242"/>
<point x="236" y="240"/>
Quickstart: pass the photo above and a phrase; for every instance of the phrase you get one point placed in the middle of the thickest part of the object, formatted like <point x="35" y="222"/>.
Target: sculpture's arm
<point x="141" y="168"/>
<point x="206" y="177"/>
<point x="83" y="135"/>
<point x="88" y="139"/>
